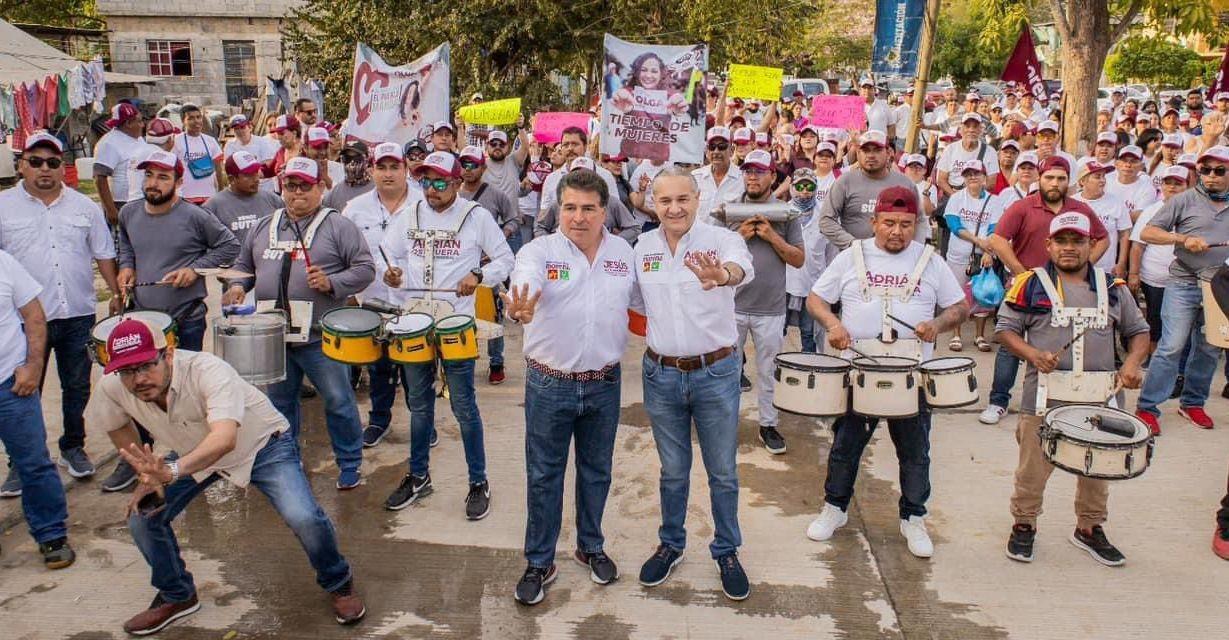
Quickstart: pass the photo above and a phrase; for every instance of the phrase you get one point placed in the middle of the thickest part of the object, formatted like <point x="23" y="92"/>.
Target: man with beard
<point x="503" y="165"/>
<point x="1020" y="242"/>
<point x="358" y="180"/>
<point x="1194" y="223"/>
<point x="847" y="211"/>
<point x="1045" y="310"/>
<point x="242" y="202"/>
<point x="760" y="306"/>
<point x="720" y="180"/>
<point x="572" y="146"/>
<point x="926" y="283"/>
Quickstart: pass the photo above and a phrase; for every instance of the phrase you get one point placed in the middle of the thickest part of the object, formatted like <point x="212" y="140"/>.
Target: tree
<point x="60" y="13"/>
<point x="1155" y="62"/>
<point x="1088" y="29"/>
<point x="962" y="55"/>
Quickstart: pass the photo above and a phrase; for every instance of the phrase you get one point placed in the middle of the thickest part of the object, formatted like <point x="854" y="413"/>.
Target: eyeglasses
<point x="37" y="162"/>
<point x="297" y="187"/>
<point x="806" y="187"/>
<point x="718" y="146"/>
<point x="1219" y="171"/>
<point x="416" y="156"/>
<point x="497" y="143"/>
<point x="468" y="165"/>
<point x="439" y="184"/>
<point x="129" y="373"/>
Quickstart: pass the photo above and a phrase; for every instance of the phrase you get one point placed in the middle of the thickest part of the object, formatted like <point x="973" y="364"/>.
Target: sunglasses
<point x="297" y="187"/>
<point x="129" y="373"/>
<point x="718" y="146"/>
<point x="416" y="157"/>
<point x="438" y="184"/>
<point x="468" y="165"/>
<point x="1219" y="172"/>
<point x="806" y="187"/>
<point x="37" y="162"/>
<point x="497" y="143"/>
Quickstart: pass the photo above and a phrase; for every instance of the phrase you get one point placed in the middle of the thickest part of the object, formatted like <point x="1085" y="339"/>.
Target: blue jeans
<point x="910" y="437"/>
<point x="385" y="376"/>
<point x="1181" y="320"/>
<point x="25" y="440"/>
<point x="515" y="241"/>
<point x="495" y="346"/>
<point x="1006" y="367"/>
<point x="69" y="338"/>
<point x="556" y="411"/>
<point x="278" y="473"/>
<point x="420" y="381"/>
<point x="708" y="397"/>
<point x="190" y="334"/>
<point x="809" y="331"/>
<point x="332" y="380"/>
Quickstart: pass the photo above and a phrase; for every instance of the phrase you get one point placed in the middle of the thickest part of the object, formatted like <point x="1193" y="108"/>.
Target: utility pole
<point x="925" y="54"/>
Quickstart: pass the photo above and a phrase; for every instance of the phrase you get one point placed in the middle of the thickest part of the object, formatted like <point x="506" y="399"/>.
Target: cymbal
<point x="224" y="273"/>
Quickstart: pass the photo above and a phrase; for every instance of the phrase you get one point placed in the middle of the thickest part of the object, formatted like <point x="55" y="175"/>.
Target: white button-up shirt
<point x="580" y="323"/>
<point x="713" y="194"/>
<point x="373" y="219"/>
<point x="17" y="289"/>
<point x="550" y="186"/>
<point x="454" y="258"/>
<point x="684" y="319"/>
<point x="56" y="244"/>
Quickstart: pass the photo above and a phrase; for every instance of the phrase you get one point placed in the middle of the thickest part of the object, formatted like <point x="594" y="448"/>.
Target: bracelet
<point x="173" y="465"/>
<point x="729" y="275"/>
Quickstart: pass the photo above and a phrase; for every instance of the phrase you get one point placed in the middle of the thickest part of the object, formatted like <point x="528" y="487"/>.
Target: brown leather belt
<point x="689" y="363"/>
<point x="606" y="373"/>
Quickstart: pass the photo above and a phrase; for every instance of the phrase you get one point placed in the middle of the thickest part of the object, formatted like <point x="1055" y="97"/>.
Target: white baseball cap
<point x="875" y="137"/>
<point x="1171" y="140"/>
<point x="714" y="133"/>
<point x="44" y="139"/>
<point x="1027" y="157"/>
<point x="1108" y="137"/>
<point x="1219" y="153"/>
<point x="1088" y="166"/>
<point x="386" y="150"/>
<point x="1071" y="221"/>
<point x="317" y="137"/>
<point x="473" y="153"/>
<point x="1131" y="150"/>
<point x="971" y="117"/>
<point x="302" y="168"/>
<point x="441" y="162"/>
<point x="760" y="159"/>
<point x="497" y="136"/>
<point x="1177" y="172"/>
<point x="826" y="146"/>
<point x="743" y="135"/>
<point x="973" y="165"/>
<point x="242" y="163"/>
<point x="582" y="162"/>
<point x="1010" y="143"/>
<point x="443" y="124"/>
<point x="1048" y="125"/>
<point x="162" y="160"/>
<point x="915" y="158"/>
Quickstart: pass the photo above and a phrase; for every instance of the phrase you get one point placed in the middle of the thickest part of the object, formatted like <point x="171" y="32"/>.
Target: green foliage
<point x="60" y="13"/>
<point x="964" y="53"/>
<point x="1156" y="62"/>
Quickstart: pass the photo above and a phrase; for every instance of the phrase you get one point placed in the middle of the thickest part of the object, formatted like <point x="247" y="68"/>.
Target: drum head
<point x="885" y="363"/>
<point x="803" y="361"/>
<point x="351" y="320"/>
<point x="948" y="364"/>
<point x="411" y="323"/>
<point x="255" y="320"/>
<point x="452" y="324"/>
<point x="1079" y="421"/>
<point x="155" y="318"/>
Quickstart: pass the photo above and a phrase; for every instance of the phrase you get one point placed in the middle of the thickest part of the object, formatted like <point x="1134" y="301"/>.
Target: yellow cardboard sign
<point x="495" y="112"/>
<point x="758" y="83"/>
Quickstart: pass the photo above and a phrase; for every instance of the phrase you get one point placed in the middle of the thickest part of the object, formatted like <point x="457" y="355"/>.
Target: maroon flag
<point x="1221" y="83"/>
<point x="1023" y="67"/>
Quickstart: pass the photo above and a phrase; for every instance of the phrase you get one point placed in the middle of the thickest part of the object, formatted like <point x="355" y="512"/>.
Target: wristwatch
<point x="477" y="273"/>
<point x="173" y="465"/>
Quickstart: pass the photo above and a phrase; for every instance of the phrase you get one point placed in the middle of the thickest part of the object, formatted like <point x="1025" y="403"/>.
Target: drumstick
<point x="1070" y="342"/>
<point x="384" y="255"/>
<point x="307" y="260"/>
<point x="422" y="289"/>
<point x="851" y="348"/>
<point x="906" y="324"/>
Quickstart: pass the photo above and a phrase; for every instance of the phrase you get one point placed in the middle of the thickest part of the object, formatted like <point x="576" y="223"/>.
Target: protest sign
<point x="757" y="83"/>
<point x="839" y="112"/>
<point x="395" y="104"/>
<point x="495" y="112"/>
<point x="548" y="127"/>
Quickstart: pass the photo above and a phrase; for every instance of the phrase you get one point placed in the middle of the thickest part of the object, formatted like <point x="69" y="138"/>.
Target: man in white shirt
<point x="373" y="213"/>
<point x="119" y="148"/>
<point x="1047" y="143"/>
<point x="58" y="235"/>
<point x="1129" y="183"/>
<point x="1113" y="212"/>
<point x="879" y="115"/>
<point x="576" y="282"/>
<point x="891" y="256"/>
<point x="950" y="167"/>
<point x="686" y="275"/>
<point x="460" y="232"/>
<point x="572" y="145"/>
<point x="23" y="331"/>
<point x="720" y="180"/>
<point x="260" y="146"/>
<point x="202" y="157"/>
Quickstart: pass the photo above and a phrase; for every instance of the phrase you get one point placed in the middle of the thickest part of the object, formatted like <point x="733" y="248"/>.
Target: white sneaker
<point x="914" y="531"/>
<point x="992" y="414"/>
<point x="829" y="520"/>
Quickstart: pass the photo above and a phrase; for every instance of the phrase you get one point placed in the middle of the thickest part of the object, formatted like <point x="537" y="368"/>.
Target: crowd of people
<point x="877" y="253"/>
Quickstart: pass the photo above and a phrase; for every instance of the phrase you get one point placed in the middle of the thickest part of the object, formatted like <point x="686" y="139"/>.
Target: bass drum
<point x="811" y="384"/>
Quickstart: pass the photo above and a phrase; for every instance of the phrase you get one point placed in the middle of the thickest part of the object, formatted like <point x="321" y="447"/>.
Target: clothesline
<point x="28" y="106"/>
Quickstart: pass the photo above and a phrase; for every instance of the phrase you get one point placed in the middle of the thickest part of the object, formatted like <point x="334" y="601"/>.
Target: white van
<point x="808" y="86"/>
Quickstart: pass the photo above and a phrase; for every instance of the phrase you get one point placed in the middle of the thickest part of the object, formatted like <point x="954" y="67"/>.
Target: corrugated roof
<point x="24" y="58"/>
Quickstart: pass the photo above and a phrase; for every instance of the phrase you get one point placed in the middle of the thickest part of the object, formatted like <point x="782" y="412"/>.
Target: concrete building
<point x="206" y="52"/>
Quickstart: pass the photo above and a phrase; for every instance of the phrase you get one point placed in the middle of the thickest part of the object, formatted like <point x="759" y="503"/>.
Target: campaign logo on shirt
<point x="692" y="255"/>
<point x="558" y="271"/>
<point x="445" y="248"/>
<point x="890" y="280"/>
<point x="246" y="221"/>
<point x="869" y="206"/>
<point x="616" y="267"/>
<point x="651" y="262"/>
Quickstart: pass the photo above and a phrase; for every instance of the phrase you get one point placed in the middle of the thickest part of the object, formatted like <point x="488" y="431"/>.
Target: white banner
<point x="397" y="104"/>
<point x="653" y="101"/>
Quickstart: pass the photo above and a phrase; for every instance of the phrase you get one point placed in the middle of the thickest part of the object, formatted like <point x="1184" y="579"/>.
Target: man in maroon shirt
<point x="1019" y="240"/>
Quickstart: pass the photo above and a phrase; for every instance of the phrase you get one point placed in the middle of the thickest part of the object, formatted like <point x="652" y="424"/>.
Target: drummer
<point x="890" y="273"/>
<point x="278" y="250"/>
<point x="459" y="232"/>
<point x="1036" y="329"/>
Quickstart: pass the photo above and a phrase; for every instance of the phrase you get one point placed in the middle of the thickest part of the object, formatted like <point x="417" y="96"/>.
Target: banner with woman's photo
<point x="653" y="101"/>
<point x="397" y="103"/>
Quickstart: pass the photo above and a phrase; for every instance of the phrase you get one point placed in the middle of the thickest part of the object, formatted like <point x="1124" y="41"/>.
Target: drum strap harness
<point x="297" y="330"/>
<point x="1078" y="318"/>
<point x="886" y="294"/>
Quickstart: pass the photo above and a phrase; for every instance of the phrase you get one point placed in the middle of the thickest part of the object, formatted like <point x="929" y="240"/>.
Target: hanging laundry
<point x="276" y="92"/>
<point x="8" y="110"/>
<point x="63" y="108"/>
<point x="25" y="124"/>
<point x="36" y="104"/>
<point x="76" y="88"/>
<point x="51" y="100"/>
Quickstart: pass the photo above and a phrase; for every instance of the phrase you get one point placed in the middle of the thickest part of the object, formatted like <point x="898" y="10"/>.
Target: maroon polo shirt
<point x="1026" y="225"/>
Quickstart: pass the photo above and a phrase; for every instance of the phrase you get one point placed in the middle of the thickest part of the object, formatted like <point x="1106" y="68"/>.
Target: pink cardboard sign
<point x="839" y="112"/>
<point x="548" y="127"/>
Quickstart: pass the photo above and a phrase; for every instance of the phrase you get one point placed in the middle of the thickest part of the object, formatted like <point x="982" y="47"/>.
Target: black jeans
<point x="69" y="338"/>
<point x="910" y="436"/>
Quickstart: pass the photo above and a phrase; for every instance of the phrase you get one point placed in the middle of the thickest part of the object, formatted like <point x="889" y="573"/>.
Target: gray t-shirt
<point x="338" y="248"/>
<point x="846" y="213"/>
<point x="765" y="295"/>
<point x="239" y="212"/>
<point x="1125" y="320"/>
<point x="504" y="175"/>
<point x="343" y="192"/>
<point x="155" y="245"/>
<point x="507" y="216"/>
<point x="1192" y="213"/>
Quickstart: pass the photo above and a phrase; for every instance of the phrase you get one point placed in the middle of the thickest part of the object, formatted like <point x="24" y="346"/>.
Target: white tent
<point x="25" y="58"/>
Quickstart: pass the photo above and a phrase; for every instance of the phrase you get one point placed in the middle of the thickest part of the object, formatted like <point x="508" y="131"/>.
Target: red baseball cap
<point x="242" y="163"/>
<point x="160" y="130"/>
<point x="1054" y="162"/>
<point x="897" y="199"/>
<point x="285" y="123"/>
<point x="132" y="343"/>
<point x="162" y="160"/>
<point x="121" y="113"/>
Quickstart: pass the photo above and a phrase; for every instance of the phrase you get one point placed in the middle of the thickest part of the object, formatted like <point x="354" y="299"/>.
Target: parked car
<point x="809" y="87"/>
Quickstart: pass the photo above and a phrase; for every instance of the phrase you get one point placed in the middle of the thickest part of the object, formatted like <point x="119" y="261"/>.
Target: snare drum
<point x="1215" y="324"/>
<point x="351" y="335"/>
<point x="102" y="330"/>
<point x="255" y="345"/>
<point x="949" y="382"/>
<point x="811" y="384"/>
<point x="409" y="339"/>
<point x="457" y="338"/>
<point x="1096" y="442"/>
<point x="885" y="387"/>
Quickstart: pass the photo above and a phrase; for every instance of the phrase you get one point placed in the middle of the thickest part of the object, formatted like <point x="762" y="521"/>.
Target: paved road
<point x="428" y="573"/>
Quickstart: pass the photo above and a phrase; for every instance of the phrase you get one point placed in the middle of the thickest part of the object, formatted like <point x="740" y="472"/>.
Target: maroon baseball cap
<point x="162" y="160"/>
<point x="242" y="163"/>
<point x="121" y="113"/>
<point x="897" y="199"/>
<point x="1054" y="162"/>
<point x="132" y="342"/>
